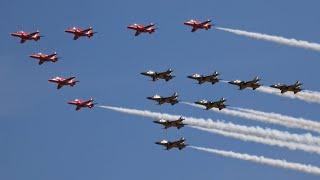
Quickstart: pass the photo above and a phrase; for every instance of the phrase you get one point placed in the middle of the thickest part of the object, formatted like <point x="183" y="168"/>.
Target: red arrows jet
<point x="24" y="36"/>
<point x="78" y="32"/>
<point x="142" y="28"/>
<point x="45" y="57"/>
<point x="82" y="104"/>
<point x="195" y="24"/>
<point x="63" y="81"/>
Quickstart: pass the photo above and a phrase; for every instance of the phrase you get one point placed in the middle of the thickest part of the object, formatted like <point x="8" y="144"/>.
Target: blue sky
<point x="42" y="137"/>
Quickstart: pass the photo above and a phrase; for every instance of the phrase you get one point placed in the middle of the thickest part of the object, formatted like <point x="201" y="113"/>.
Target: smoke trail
<point x="276" y="39"/>
<point x="263" y="160"/>
<point x="273" y="118"/>
<point x="308" y="96"/>
<point x="229" y="127"/>
<point x="295" y="122"/>
<point x="270" y="142"/>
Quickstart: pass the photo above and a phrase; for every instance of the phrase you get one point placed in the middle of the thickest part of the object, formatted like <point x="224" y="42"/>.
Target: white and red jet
<point x="195" y="24"/>
<point x="139" y="28"/>
<point x="45" y="57"/>
<point x="82" y="104"/>
<point x="79" y="32"/>
<point x="63" y="81"/>
<point x="24" y="36"/>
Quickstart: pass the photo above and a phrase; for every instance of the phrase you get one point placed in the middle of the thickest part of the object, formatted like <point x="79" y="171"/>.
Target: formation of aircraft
<point x="254" y="84"/>
<point x="161" y="100"/>
<point x="139" y="28"/>
<point x="295" y="88"/>
<point x="166" y="75"/>
<point x="220" y="104"/>
<point x="82" y="103"/>
<point x="179" y="144"/>
<point x="167" y="124"/>
<point x="63" y="81"/>
<point x="213" y="78"/>
<point x="79" y="32"/>
<point x="24" y="36"/>
<point x="45" y="57"/>
<point x="195" y="24"/>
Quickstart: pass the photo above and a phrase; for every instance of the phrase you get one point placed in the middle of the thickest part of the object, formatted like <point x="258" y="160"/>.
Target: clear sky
<point x="44" y="138"/>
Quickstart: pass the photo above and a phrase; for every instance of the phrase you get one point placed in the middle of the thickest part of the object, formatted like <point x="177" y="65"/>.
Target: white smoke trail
<point x="270" y="142"/>
<point x="272" y="38"/>
<point x="273" y="118"/>
<point x="307" y="96"/>
<point x="229" y="127"/>
<point x="263" y="160"/>
<point x="295" y="122"/>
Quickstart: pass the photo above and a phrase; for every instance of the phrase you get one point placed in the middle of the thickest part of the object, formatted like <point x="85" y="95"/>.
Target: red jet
<point x="64" y="81"/>
<point x="195" y="24"/>
<point x="45" y="57"/>
<point x="82" y="104"/>
<point x="24" y="36"/>
<point x="142" y="28"/>
<point x="78" y="32"/>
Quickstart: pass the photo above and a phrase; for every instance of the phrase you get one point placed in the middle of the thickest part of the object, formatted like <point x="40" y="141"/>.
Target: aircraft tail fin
<point x="215" y="73"/>
<point x="298" y="83"/>
<point x="223" y="100"/>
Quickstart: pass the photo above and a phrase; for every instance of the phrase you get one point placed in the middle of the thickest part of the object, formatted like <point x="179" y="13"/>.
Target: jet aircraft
<point x="82" y="103"/>
<point x="139" y="28"/>
<point x="254" y="84"/>
<point x="195" y="24"/>
<point x="295" y="88"/>
<point x="45" y="57"/>
<point x="179" y="144"/>
<point x="79" y="32"/>
<point x="24" y="36"/>
<point x="209" y="104"/>
<point x="213" y="78"/>
<point x="167" y="124"/>
<point x="166" y="75"/>
<point x="63" y="81"/>
<point x="161" y="100"/>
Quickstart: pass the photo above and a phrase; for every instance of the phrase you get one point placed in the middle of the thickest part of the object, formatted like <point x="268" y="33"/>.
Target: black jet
<point x="161" y="100"/>
<point x="295" y="88"/>
<point x="212" y="78"/>
<point x="216" y="104"/>
<point x="166" y="75"/>
<point x="254" y="84"/>
<point x="180" y="144"/>
<point x="175" y="123"/>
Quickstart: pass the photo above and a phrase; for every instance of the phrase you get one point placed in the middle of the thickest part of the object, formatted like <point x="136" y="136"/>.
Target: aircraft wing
<point x="149" y="26"/>
<point x="32" y="34"/>
<point x="137" y="33"/>
<point x="194" y="29"/>
<point x="59" y="86"/>
<point x="205" y="22"/>
<point x="86" y="30"/>
<point x="66" y="80"/>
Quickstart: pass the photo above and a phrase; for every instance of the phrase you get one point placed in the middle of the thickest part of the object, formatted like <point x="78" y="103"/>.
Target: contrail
<point x="263" y="160"/>
<point x="307" y="96"/>
<point x="276" y="39"/>
<point x="270" y="142"/>
<point x="273" y="118"/>
<point x="288" y="120"/>
<point x="229" y="127"/>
